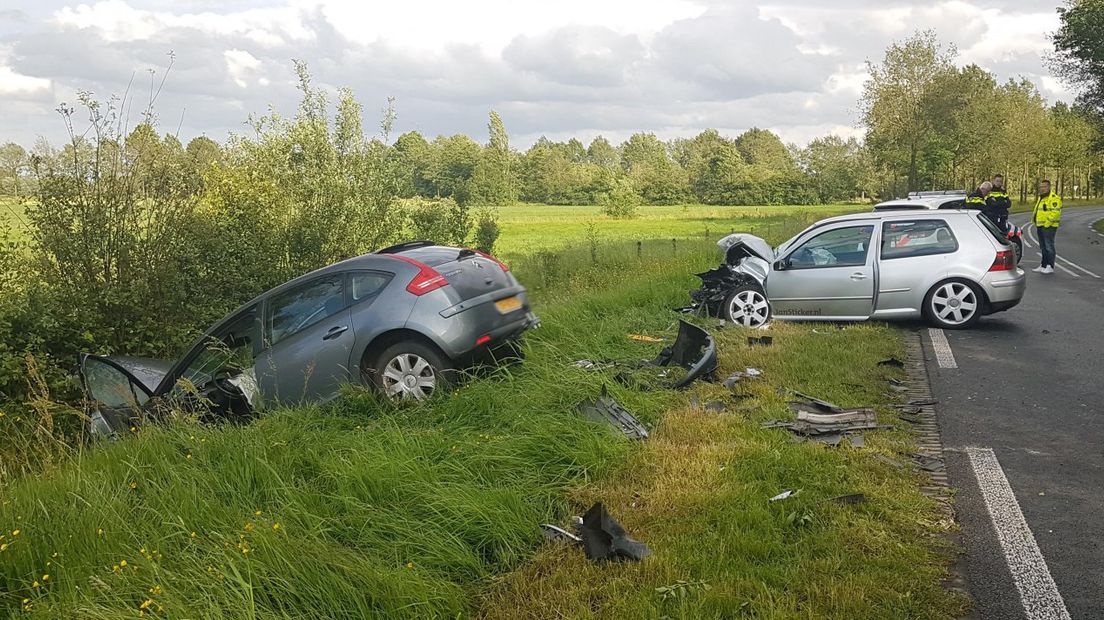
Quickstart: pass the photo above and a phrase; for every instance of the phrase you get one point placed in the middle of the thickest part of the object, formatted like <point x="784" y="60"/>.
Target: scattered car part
<point x="643" y="338"/>
<point x="927" y="463"/>
<point x="694" y="349"/>
<point x="821" y="406"/>
<point x="608" y="410"/>
<point x="763" y="341"/>
<point x="555" y="533"/>
<point x="783" y="495"/>
<point x="855" y="416"/>
<point x="892" y="361"/>
<point x="604" y="539"/>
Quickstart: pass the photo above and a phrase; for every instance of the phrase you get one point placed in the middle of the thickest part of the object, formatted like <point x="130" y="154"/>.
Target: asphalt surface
<point x="1030" y="386"/>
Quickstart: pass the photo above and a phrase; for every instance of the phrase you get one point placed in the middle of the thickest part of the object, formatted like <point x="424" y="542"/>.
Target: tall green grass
<point x="354" y="510"/>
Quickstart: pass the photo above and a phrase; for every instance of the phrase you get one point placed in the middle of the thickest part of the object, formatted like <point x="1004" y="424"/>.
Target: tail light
<point x="497" y="262"/>
<point x="1005" y="261"/>
<point x="428" y="279"/>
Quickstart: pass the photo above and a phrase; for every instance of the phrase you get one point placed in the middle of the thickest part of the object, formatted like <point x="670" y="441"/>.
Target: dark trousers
<point x="1046" y="245"/>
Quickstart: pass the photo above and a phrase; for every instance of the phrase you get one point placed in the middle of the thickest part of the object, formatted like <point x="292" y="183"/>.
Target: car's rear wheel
<point x="953" y="304"/>
<point x="1017" y="245"/>
<point x="411" y="370"/>
<point x="746" y="305"/>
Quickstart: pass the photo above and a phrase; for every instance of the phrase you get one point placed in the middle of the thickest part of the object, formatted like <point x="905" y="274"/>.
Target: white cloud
<point x="566" y="68"/>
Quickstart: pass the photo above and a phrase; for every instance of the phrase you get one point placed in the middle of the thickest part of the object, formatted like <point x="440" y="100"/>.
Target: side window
<point x="111" y="386"/>
<point x="232" y="347"/>
<point x="841" y="247"/>
<point x="295" y="310"/>
<point x="959" y="203"/>
<point x="365" y="284"/>
<point x="917" y="238"/>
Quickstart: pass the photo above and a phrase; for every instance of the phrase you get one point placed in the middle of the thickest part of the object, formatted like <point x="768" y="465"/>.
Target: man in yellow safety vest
<point x="1046" y="217"/>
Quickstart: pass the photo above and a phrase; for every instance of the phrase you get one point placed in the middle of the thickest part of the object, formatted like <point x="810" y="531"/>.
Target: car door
<point x="912" y="256"/>
<point x="307" y="342"/>
<point x="118" y="397"/>
<point x="829" y="275"/>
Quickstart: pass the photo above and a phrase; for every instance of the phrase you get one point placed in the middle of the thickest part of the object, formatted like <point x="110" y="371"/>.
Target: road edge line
<point x="1039" y="594"/>
<point x="944" y="355"/>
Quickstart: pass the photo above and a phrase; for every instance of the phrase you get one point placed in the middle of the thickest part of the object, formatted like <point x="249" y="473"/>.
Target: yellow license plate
<point x="508" y="305"/>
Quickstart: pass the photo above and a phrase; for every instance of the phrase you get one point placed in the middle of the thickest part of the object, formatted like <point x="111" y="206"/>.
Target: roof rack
<point x="939" y="192"/>
<point x="402" y="247"/>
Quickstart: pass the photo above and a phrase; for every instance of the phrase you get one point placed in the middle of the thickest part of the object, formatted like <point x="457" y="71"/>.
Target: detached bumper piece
<point x="605" y="409"/>
<point x="694" y="349"/>
<point x="604" y="539"/>
<point x="826" y="422"/>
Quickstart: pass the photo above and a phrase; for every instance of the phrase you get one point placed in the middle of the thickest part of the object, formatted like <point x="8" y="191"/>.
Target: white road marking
<point x="943" y="354"/>
<point x="1069" y="262"/>
<point x="1031" y="233"/>
<point x="1023" y="238"/>
<point x="1060" y="266"/>
<point x="1038" y="592"/>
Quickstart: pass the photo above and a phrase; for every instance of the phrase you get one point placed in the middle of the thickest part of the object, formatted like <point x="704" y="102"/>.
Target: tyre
<point x="411" y="370"/>
<point x="954" y="304"/>
<point x="746" y="305"/>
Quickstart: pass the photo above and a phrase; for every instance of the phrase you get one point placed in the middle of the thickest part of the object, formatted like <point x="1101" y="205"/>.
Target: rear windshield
<point x="997" y="233"/>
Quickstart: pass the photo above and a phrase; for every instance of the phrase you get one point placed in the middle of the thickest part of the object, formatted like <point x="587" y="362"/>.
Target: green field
<point x="365" y="509"/>
<point x="530" y="228"/>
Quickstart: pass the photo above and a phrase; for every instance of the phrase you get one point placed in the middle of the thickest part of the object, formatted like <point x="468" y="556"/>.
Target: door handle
<point x="335" y="332"/>
<point x="858" y="275"/>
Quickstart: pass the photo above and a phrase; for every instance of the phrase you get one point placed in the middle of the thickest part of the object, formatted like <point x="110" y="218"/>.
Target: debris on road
<point x="604" y="539"/>
<point x="606" y="409"/>
<point x="783" y="495"/>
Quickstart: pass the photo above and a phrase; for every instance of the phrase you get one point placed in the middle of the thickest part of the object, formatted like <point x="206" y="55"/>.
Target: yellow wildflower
<point x="16" y="533"/>
<point x="145" y="604"/>
<point x="99" y="531"/>
<point x="410" y="565"/>
<point x="192" y="535"/>
<point x="26" y="600"/>
<point x="134" y="485"/>
<point x="249" y="526"/>
<point x="188" y="456"/>
<point x="155" y="590"/>
<point x="35" y="584"/>
<point x="3" y="546"/>
<point x="275" y="526"/>
<point x="1" y="414"/>
<point x="123" y="563"/>
<point x="257" y="513"/>
<point x="46" y="577"/>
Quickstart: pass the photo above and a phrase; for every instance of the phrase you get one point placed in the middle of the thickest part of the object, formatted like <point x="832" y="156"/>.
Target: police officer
<point x="997" y="203"/>
<point x="1046" y="217"/>
<point x="976" y="198"/>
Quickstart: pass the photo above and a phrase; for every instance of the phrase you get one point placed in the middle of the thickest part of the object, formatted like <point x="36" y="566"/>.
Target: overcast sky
<point x="559" y="68"/>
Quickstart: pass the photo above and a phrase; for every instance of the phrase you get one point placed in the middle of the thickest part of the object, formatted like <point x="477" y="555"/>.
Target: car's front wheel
<point x="953" y="304"/>
<point x="746" y="305"/>
<point x="411" y="371"/>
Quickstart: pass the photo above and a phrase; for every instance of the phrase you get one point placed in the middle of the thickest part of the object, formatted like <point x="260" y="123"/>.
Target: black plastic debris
<point x="604" y="539"/>
<point x="927" y="463"/>
<point x="762" y="341"/>
<point x="921" y="402"/>
<point x="892" y="362"/>
<point x="554" y="533"/>
<point x="828" y="424"/>
<point x="694" y="349"/>
<point x="804" y="401"/>
<point x="606" y="409"/>
<point x="734" y="378"/>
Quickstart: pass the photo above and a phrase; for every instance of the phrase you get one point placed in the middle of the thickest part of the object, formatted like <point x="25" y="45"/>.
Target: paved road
<point x="1025" y="405"/>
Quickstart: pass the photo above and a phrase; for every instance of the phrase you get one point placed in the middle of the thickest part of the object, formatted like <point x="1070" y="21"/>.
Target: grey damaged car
<point x="403" y="319"/>
<point x="949" y="267"/>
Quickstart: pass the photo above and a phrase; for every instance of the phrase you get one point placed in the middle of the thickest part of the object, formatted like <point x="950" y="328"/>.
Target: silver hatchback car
<point x="950" y="267"/>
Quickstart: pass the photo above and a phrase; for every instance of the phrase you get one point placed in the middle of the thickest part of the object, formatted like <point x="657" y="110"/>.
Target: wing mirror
<point x="782" y="265"/>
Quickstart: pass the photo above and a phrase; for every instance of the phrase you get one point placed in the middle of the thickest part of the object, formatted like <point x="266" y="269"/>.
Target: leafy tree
<point x="453" y="166"/>
<point x="495" y="176"/>
<point x="1079" y="51"/>
<point x="899" y="125"/>
<point x="13" y="164"/>
<point x="602" y="153"/>
<point x="622" y="199"/>
<point x="835" y="166"/>
<point x="412" y="158"/>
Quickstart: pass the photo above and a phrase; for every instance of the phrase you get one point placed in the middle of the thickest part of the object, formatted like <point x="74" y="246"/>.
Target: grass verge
<point x="697" y="494"/>
<point x="1098" y="226"/>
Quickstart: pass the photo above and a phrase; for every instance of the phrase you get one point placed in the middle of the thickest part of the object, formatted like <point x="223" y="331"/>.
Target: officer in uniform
<point x="1046" y="217"/>
<point x="997" y="203"/>
<point x="976" y="199"/>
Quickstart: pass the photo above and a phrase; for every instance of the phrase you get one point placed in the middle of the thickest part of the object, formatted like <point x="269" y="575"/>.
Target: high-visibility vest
<point x="1048" y="211"/>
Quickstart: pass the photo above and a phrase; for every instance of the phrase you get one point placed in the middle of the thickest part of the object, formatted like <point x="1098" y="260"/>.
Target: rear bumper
<point x="461" y="333"/>
<point x="1004" y="289"/>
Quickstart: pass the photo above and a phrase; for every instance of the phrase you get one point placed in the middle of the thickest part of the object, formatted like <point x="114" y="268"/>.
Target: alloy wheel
<point x="749" y="308"/>
<point x="954" y="303"/>
<point x="409" y="375"/>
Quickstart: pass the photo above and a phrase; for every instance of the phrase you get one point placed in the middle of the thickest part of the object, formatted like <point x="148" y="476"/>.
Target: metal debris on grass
<point x="927" y="463"/>
<point x="762" y="341"/>
<point x="608" y="410"/>
<point x="604" y="539"/>
<point x="644" y="338"/>
<point x="555" y="533"/>
<point x="828" y="423"/>
<point x="783" y="495"/>
<point x="892" y="362"/>
<point x="734" y="378"/>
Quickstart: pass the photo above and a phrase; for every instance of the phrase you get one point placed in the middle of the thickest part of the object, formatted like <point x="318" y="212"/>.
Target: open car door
<point x="118" y="397"/>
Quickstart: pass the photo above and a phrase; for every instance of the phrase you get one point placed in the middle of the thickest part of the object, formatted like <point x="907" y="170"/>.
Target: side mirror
<point x="782" y="265"/>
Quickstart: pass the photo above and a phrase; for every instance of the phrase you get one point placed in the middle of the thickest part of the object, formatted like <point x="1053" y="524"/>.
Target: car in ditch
<point x="949" y="267"/>
<point x="403" y="319"/>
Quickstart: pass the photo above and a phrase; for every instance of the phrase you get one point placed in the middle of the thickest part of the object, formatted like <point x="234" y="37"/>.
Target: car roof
<point x="882" y="215"/>
<point x="920" y="202"/>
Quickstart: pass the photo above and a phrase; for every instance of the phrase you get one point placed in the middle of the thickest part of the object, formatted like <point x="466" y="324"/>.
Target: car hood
<point x="147" y="370"/>
<point x="738" y="246"/>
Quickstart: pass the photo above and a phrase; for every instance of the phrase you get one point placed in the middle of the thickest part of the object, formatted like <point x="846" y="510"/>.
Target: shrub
<point x="442" y="220"/>
<point x="486" y="231"/>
